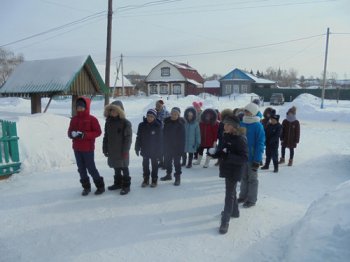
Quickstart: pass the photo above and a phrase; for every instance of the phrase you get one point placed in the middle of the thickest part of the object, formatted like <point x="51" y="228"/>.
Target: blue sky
<point x="212" y="36"/>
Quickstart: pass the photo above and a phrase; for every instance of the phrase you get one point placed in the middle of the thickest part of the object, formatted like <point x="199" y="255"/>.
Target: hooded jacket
<point x="209" y="128"/>
<point x="290" y="135"/>
<point x="193" y="135"/>
<point x="87" y="124"/>
<point x="117" y="137"/>
<point x="174" y="136"/>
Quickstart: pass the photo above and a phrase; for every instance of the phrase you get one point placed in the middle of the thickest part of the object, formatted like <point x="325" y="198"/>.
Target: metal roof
<point x="54" y="76"/>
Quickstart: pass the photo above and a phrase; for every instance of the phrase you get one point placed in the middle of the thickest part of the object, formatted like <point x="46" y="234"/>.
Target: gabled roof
<point x="70" y="75"/>
<point x="113" y="76"/>
<point x="238" y="74"/>
<point x="188" y="72"/>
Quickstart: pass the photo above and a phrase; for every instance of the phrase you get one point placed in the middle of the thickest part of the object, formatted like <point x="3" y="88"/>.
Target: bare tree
<point x="8" y="62"/>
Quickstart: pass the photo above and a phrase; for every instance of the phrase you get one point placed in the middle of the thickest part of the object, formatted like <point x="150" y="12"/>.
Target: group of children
<point x="238" y="141"/>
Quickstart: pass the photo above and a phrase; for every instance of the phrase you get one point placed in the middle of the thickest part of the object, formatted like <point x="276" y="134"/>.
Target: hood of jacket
<point x="194" y="112"/>
<point x="211" y="114"/>
<point x="112" y="107"/>
<point x="225" y="113"/>
<point x="87" y="108"/>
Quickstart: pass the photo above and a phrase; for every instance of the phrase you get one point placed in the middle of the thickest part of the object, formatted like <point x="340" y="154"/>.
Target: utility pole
<point x="122" y="68"/>
<point x="108" y="49"/>
<point x="325" y="71"/>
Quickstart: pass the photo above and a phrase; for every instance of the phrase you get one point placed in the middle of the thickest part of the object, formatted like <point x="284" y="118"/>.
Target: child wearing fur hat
<point x="233" y="155"/>
<point x="173" y="144"/>
<point x="116" y="145"/>
<point x="193" y="135"/>
<point x="290" y="135"/>
<point x="83" y="130"/>
<point x="149" y="146"/>
<point x="256" y="142"/>
<point x="272" y="133"/>
<point x="209" y="127"/>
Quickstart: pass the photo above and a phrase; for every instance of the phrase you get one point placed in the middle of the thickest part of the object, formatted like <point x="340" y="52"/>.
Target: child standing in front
<point x="233" y="155"/>
<point x="149" y="145"/>
<point x="116" y="145"/>
<point x="83" y="130"/>
<point x="193" y="134"/>
<point x="272" y="133"/>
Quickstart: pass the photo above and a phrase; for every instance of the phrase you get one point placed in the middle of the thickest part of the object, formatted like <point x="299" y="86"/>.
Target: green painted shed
<point x="69" y="76"/>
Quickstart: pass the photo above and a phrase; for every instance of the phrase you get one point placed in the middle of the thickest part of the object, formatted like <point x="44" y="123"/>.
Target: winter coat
<point x="255" y="137"/>
<point x="117" y="138"/>
<point x="174" y="136"/>
<point x="273" y="133"/>
<point x="233" y="152"/>
<point x="193" y="134"/>
<point x="161" y="115"/>
<point x="149" y="139"/>
<point x="87" y="124"/>
<point x="209" y="128"/>
<point x="267" y="114"/>
<point x="290" y="133"/>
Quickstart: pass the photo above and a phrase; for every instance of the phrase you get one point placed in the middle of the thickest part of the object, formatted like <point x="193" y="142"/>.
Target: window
<point x="165" y="71"/>
<point x="153" y="89"/>
<point x="228" y="89"/>
<point x="236" y="89"/>
<point x="164" y="89"/>
<point x="176" y="89"/>
<point x="244" y="89"/>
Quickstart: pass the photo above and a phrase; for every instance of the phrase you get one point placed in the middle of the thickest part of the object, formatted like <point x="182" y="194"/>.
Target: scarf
<point x="251" y="119"/>
<point x="291" y="118"/>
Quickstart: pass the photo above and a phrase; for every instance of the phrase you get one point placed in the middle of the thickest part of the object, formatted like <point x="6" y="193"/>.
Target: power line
<point x="228" y="50"/>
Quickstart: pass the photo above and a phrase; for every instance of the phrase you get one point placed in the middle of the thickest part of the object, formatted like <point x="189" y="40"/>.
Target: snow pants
<point x="249" y="184"/>
<point x="231" y="204"/>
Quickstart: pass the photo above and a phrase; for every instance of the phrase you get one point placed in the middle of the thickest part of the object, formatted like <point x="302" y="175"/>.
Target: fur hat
<point x="225" y="113"/>
<point x="256" y="101"/>
<point x="292" y="110"/>
<point x="232" y="120"/>
<point x="197" y="105"/>
<point x="276" y="117"/>
<point x="252" y="108"/>
<point x="152" y="112"/>
<point x="176" y="109"/>
<point x="118" y="103"/>
<point x="81" y="103"/>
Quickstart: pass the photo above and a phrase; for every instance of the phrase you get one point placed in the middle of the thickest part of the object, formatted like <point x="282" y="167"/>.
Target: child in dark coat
<point x="83" y="130"/>
<point x="116" y="145"/>
<point x="233" y="155"/>
<point x="149" y="145"/>
<point x="272" y="133"/>
<point x="173" y="144"/>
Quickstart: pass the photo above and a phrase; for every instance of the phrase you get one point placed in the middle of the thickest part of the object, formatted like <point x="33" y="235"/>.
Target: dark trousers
<point x="231" y="204"/>
<point x="271" y="153"/>
<point x="190" y="158"/>
<point x="169" y="159"/>
<point x="86" y="163"/>
<point x="122" y="176"/>
<point x="201" y="150"/>
<point x="146" y="171"/>
<point x="291" y="150"/>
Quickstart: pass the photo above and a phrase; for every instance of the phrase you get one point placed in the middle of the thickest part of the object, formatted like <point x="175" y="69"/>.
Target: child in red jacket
<point x="83" y="130"/>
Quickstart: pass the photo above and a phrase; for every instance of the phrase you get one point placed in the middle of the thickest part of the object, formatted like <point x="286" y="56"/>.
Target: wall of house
<point x="156" y="76"/>
<point x="161" y="88"/>
<point x="235" y="87"/>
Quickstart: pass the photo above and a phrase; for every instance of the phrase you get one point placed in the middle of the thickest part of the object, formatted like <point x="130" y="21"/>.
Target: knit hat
<point x="252" y="108"/>
<point x="292" y="110"/>
<point x="176" y="109"/>
<point x="276" y="117"/>
<point x="197" y="105"/>
<point x="232" y="120"/>
<point x="118" y="103"/>
<point x="152" y="112"/>
<point x="160" y="101"/>
<point x="81" y="103"/>
<point x="256" y="101"/>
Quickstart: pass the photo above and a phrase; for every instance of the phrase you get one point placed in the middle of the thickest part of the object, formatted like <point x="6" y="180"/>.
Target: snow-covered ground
<point x="302" y="213"/>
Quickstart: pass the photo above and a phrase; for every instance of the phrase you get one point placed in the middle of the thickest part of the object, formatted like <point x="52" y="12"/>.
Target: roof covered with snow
<point x="113" y="76"/>
<point x="238" y="74"/>
<point x="212" y="84"/>
<point x="51" y="76"/>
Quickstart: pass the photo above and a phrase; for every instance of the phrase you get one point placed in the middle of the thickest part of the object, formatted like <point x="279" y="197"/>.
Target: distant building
<point x="172" y="78"/>
<point x="239" y="81"/>
<point x="212" y="87"/>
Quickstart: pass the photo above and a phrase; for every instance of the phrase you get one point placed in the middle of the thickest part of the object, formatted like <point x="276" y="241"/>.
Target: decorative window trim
<point x="153" y="89"/>
<point x="161" y="89"/>
<point x="165" y="71"/>
<point x="177" y="89"/>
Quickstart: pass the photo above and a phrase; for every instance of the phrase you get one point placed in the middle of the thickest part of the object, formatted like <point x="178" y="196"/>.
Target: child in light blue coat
<point x="193" y="135"/>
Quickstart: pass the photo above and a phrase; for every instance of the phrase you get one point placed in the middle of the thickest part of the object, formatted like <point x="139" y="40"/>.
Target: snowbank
<point x="324" y="232"/>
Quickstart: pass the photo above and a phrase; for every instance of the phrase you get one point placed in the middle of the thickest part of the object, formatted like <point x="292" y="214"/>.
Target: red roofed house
<point x="172" y="78"/>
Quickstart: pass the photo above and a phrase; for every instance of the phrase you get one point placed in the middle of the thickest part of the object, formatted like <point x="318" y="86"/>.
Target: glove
<point x="74" y="134"/>
<point x="125" y="155"/>
<point x="78" y="134"/>
<point x="212" y="151"/>
<point x="255" y="166"/>
<point x="137" y="152"/>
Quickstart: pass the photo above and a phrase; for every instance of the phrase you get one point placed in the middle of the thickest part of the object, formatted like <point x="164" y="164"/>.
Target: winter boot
<point x="240" y="200"/>
<point x="126" y="186"/>
<point x="290" y="162"/>
<point x="118" y="180"/>
<point x="154" y="183"/>
<point x="248" y="204"/>
<point x="282" y="161"/>
<point x="100" y="185"/>
<point x="184" y="159"/>
<point x="199" y="160"/>
<point x="166" y="177"/>
<point x="86" y="187"/>
<point x="235" y="211"/>
<point x="145" y="182"/>
<point x="177" y="180"/>
<point x="275" y="169"/>
<point x="265" y="167"/>
<point x="223" y="228"/>
<point x="206" y="164"/>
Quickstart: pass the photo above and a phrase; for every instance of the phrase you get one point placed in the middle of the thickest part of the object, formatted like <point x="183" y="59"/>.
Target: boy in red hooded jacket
<point x="83" y="130"/>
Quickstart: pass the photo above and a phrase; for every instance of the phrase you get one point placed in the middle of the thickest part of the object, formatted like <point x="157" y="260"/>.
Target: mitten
<point x="255" y="166"/>
<point x="79" y="134"/>
<point x="212" y="151"/>
<point x="74" y="134"/>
